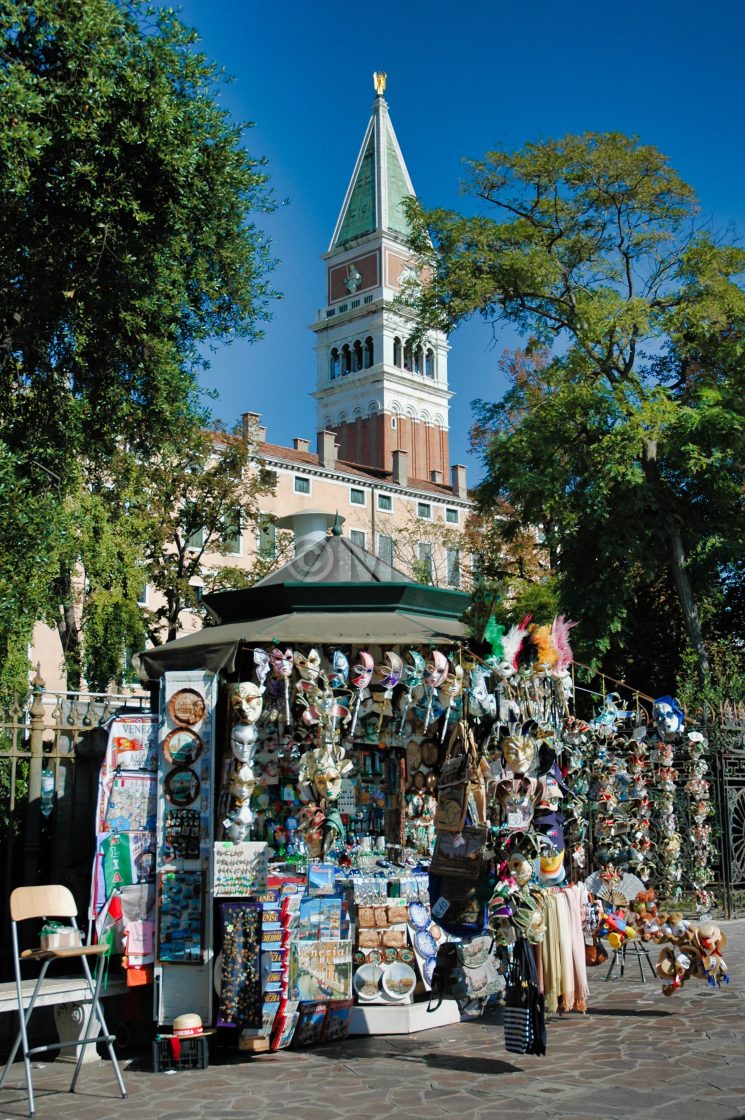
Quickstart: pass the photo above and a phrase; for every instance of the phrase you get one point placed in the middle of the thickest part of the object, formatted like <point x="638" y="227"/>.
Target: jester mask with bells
<point x="321" y="772"/>
<point x="246" y="702"/>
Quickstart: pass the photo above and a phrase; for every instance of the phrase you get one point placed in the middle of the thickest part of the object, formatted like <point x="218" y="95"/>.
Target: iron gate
<point x="731" y="788"/>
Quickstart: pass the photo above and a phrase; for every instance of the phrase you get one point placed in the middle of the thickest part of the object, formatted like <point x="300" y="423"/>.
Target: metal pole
<point x="33" y="807"/>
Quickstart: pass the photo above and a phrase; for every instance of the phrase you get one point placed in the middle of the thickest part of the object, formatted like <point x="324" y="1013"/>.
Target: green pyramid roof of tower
<point x="380" y="159"/>
<point x="360" y="216"/>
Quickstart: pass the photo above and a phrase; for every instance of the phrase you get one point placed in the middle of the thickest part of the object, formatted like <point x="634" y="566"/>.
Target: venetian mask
<point x="245" y="699"/>
<point x="328" y="784"/>
<point x="519" y="754"/>
<point x="308" y="667"/>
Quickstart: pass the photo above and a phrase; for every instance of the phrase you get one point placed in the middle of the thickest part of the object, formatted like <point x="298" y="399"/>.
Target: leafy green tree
<point x="621" y="432"/>
<point x="196" y="499"/>
<point x="31" y="543"/>
<point x="127" y="242"/>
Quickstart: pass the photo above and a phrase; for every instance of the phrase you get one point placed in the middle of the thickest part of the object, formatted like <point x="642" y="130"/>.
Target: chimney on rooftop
<point x="251" y="430"/>
<point x="458" y="474"/>
<point x="301" y="444"/>
<point x="435" y="476"/>
<point x="401" y="468"/>
<point x="328" y="449"/>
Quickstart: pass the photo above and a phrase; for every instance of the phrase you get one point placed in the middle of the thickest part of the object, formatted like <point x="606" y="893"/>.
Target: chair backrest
<point x="52" y="901"/>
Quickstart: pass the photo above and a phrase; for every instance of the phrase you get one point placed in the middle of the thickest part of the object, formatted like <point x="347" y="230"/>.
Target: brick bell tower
<point x="375" y="390"/>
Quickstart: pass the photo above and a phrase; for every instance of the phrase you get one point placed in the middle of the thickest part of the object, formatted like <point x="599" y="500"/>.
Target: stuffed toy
<point x="709" y="940"/>
<point x="673" y="968"/>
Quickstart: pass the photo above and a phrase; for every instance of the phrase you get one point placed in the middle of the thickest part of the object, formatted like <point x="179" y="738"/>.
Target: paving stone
<point x="634" y="1053"/>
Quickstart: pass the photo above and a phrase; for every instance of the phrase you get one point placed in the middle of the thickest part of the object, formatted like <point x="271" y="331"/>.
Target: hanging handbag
<point x="453" y="781"/>
<point x="460" y="853"/>
<point x="477" y="975"/>
<point x="524" y="1014"/>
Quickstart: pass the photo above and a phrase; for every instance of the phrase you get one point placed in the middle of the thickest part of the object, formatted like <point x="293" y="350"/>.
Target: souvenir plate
<point x="182" y="747"/>
<point x="366" y="981"/>
<point x="428" y="969"/>
<point x="419" y="915"/>
<point x="399" y="980"/>
<point x="187" y="706"/>
<point x="182" y="787"/>
<point x="425" y="944"/>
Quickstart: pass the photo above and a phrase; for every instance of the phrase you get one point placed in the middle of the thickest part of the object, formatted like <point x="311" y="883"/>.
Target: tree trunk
<point x="677" y="555"/>
<point x="71" y="635"/>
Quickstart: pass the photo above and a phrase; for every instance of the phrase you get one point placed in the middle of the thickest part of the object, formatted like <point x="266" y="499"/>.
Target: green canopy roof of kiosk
<point x="334" y="592"/>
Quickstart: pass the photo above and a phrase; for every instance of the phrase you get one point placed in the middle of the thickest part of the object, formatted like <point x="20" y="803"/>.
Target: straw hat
<point x="187" y="1025"/>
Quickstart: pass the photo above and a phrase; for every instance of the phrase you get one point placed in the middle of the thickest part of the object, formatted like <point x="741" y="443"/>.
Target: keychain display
<point x="240" y="974"/>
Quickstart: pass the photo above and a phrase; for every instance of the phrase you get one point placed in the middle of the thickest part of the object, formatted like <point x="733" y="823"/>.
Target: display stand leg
<point x="614" y="959"/>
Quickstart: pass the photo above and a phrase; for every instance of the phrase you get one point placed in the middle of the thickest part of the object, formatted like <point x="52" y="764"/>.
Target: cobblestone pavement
<point x="636" y="1053"/>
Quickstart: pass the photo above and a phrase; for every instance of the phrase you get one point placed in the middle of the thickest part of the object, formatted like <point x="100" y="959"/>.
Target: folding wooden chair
<point x="55" y="902"/>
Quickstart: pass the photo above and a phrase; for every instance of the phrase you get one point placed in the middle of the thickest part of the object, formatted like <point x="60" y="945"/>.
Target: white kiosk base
<point x="368" y="1019"/>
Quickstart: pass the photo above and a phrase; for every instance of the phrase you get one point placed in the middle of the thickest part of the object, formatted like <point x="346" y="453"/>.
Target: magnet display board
<point x="185" y="838"/>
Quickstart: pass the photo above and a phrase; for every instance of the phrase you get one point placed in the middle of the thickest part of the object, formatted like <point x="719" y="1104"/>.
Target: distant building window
<point x="424" y="562"/>
<point x="142" y="596"/>
<point x="356" y="536"/>
<point x="334" y="364"/>
<point x="424" y="510"/>
<point x="194" y="539"/>
<point x="453" y="567"/>
<point x="397" y="352"/>
<point x="368" y="299"/>
<point x="267" y="537"/>
<point x="232" y="533"/>
<point x="393" y="422"/>
<point x="369" y="352"/>
<point x="451" y="515"/>
<point x="357" y="497"/>
<point x="302" y="485"/>
<point x="385" y="502"/>
<point x="385" y="549"/>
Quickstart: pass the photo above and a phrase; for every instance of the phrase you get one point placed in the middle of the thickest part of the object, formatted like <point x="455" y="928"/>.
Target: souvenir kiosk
<point x="299" y="744"/>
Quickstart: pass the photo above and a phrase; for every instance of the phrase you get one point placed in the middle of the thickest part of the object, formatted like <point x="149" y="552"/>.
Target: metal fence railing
<point x="51" y="748"/>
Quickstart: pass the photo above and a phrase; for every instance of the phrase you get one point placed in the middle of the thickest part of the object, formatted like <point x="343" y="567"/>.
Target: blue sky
<point x="461" y="79"/>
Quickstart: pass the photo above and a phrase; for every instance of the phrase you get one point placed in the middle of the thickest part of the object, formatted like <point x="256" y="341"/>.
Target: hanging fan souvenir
<point x="617" y="888"/>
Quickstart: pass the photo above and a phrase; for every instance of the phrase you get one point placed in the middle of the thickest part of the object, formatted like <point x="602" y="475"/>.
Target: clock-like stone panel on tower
<point x="342" y="279"/>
